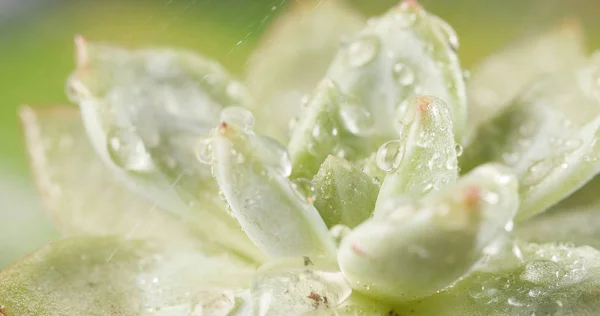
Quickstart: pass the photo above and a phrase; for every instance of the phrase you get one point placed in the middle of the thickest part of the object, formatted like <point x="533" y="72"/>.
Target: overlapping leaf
<point x="292" y="57"/>
<point x="502" y="76"/>
<point x="276" y="213"/>
<point x="412" y="250"/>
<point x="549" y="280"/>
<point x="110" y="276"/>
<point x="548" y="135"/>
<point x="84" y="198"/>
<point x="404" y="53"/>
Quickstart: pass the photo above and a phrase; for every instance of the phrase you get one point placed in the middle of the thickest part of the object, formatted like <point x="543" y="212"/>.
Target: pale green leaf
<point x="404" y="53"/>
<point x="83" y="197"/>
<point x="319" y="132"/>
<point x="424" y="159"/>
<point x="294" y="286"/>
<point x="344" y="194"/>
<point x="109" y="276"/>
<point x="548" y="135"/>
<point x="276" y="213"/>
<point x="549" y="280"/>
<point x="575" y="220"/>
<point x="500" y="77"/>
<point x="292" y="57"/>
<point x="414" y="249"/>
<point x="145" y="111"/>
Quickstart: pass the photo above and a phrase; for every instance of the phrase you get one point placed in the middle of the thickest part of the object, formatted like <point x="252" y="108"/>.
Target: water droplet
<point x="357" y="120"/>
<point x="513" y="301"/>
<point x="573" y="144"/>
<point x="509" y="226"/>
<point x="541" y="272"/>
<point x="390" y="155"/>
<point x="405" y="112"/>
<point x="238" y="116"/>
<point x="305" y="189"/>
<point x="274" y="155"/>
<point x="128" y="152"/>
<point x="403" y="74"/>
<point x="459" y="150"/>
<point x="204" y="152"/>
<point x="363" y="50"/>
<point x="537" y="172"/>
<point x="449" y="33"/>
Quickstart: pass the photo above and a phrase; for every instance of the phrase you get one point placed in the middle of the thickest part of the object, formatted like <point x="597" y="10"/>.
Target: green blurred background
<point x="36" y="57"/>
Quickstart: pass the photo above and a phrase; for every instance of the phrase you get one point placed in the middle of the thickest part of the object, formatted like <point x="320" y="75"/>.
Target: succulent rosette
<point x="355" y="170"/>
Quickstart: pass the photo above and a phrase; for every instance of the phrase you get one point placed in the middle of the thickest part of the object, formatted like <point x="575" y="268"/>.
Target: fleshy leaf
<point x="276" y="213"/>
<point x="575" y="220"/>
<point x="548" y="136"/>
<point x="344" y="194"/>
<point x="404" y="53"/>
<point x="424" y="159"/>
<point x="292" y="57"/>
<point x="549" y="280"/>
<point x="318" y="132"/>
<point x="501" y="77"/>
<point x="84" y="198"/>
<point x="294" y="286"/>
<point x="145" y="111"/>
<point x="414" y="249"/>
<point x="109" y="276"/>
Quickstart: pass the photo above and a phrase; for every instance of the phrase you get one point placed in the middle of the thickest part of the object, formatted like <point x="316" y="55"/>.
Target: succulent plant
<point x="365" y="178"/>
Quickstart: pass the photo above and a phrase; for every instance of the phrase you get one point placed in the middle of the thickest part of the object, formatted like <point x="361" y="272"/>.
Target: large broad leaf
<point x="292" y="57"/>
<point x="548" y="135"/>
<point x="109" y="276"/>
<point x="344" y="194"/>
<point x="145" y="111"/>
<point x="404" y="53"/>
<point x="501" y="77"/>
<point x="84" y="198"/>
<point x="424" y="159"/>
<point x="414" y="249"/>
<point x="544" y="280"/>
<point x="575" y="220"/>
<point x="276" y="213"/>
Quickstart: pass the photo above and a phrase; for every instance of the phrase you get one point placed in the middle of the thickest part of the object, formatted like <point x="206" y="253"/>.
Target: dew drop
<point x="128" y="152"/>
<point x="274" y="155"/>
<point x="363" y="50"/>
<point x="513" y="301"/>
<point x="357" y="120"/>
<point x="204" y="152"/>
<point x="536" y="172"/>
<point x="449" y="33"/>
<point x="403" y="74"/>
<point x="238" y="116"/>
<point x="405" y="112"/>
<point x="541" y="272"/>
<point x="305" y="189"/>
<point x="459" y="150"/>
<point x="390" y="155"/>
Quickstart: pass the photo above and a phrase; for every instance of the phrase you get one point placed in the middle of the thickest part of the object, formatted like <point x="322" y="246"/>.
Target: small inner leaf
<point x="345" y="195"/>
<point x="252" y="172"/>
<point x="424" y="159"/>
<point x="412" y="249"/>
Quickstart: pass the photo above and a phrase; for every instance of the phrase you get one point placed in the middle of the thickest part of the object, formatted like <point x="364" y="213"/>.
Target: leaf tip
<point x="81" y="52"/>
